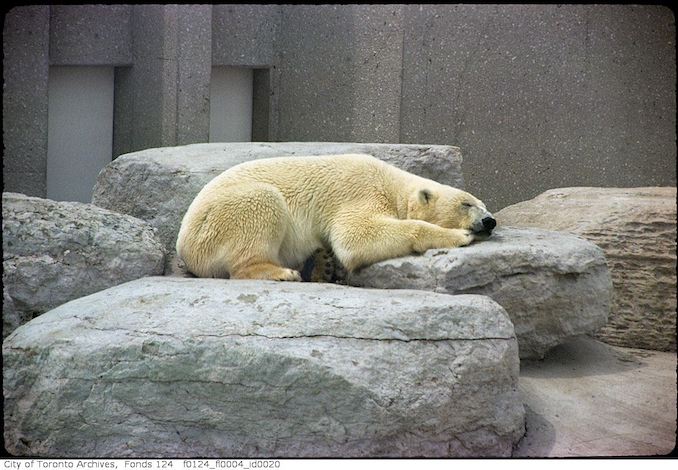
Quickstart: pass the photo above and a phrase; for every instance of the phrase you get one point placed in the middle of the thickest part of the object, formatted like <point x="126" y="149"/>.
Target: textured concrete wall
<point x="194" y="65"/>
<point x="537" y="96"/>
<point x="249" y="36"/>
<point x="90" y="35"/>
<point x="24" y="99"/>
<point x="163" y="99"/>
<point x="245" y="35"/>
<point x="339" y="73"/>
<point x="543" y="96"/>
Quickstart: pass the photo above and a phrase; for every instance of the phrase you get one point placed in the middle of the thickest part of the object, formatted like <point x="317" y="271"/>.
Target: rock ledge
<point x="552" y="285"/>
<point x="170" y="367"/>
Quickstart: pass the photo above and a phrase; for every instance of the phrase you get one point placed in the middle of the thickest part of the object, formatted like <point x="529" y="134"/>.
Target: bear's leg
<point x="240" y="232"/>
<point x="359" y="242"/>
<point x="268" y="271"/>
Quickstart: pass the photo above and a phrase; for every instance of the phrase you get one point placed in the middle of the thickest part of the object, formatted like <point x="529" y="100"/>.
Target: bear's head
<point x="451" y="208"/>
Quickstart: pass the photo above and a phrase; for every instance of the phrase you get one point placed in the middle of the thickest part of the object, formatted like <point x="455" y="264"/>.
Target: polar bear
<point x="262" y="219"/>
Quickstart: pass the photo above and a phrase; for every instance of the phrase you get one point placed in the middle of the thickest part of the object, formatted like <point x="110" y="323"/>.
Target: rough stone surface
<point x="552" y="285"/>
<point x="158" y="185"/>
<point x="636" y="228"/>
<point x="54" y="252"/>
<point x="171" y="367"/>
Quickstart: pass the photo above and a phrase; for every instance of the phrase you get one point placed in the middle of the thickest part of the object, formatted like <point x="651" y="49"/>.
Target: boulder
<point x="636" y="228"/>
<point x="174" y="367"/>
<point x="54" y="252"/>
<point x="158" y="185"/>
<point x="552" y="285"/>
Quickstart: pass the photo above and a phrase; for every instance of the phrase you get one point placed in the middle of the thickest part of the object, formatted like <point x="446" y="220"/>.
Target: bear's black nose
<point x="489" y="223"/>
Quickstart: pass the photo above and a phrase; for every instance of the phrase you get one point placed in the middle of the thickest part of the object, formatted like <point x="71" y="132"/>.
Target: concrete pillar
<point x="339" y="74"/>
<point x="24" y="104"/>
<point x="164" y="96"/>
<point x="194" y="66"/>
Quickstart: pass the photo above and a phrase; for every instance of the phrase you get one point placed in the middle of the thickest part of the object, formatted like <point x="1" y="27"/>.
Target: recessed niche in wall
<point x="79" y="130"/>
<point x="231" y="104"/>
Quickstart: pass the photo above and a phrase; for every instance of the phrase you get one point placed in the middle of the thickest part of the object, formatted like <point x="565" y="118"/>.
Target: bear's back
<point x="323" y="172"/>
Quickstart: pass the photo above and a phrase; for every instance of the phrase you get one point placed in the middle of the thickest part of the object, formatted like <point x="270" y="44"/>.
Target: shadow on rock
<point x="539" y="438"/>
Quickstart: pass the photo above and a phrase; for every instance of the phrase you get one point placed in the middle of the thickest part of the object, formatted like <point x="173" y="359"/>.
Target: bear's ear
<point x="425" y="196"/>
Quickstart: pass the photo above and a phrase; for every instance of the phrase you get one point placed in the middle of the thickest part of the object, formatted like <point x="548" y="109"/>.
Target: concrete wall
<point x="166" y="90"/>
<point x="537" y="96"/>
<point x="339" y="73"/>
<point x="25" y="38"/>
<point x="543" y="96"/>
<point x="90" y="35"/>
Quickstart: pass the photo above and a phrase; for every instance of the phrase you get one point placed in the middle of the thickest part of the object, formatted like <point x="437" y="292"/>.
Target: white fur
<point x="263" y="218"/>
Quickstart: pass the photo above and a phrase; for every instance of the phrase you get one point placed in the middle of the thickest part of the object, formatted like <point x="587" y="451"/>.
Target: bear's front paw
<point x="462" y="237"/>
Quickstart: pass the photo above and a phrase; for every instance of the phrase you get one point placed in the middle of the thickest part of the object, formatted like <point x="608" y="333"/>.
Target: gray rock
<point x="12" y="318"/>
<point x="636" y="228"/>
<point x="54" y="252"/>
<point x="172" y="367"/>
<point x="158" y="185"/>
<point x="552" y="285"/>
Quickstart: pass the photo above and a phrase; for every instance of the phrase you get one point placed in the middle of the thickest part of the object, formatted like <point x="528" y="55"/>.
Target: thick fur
<point x="262" y="219"/>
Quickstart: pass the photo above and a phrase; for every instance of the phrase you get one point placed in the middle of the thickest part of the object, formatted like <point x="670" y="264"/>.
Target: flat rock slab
<point x="54" y="252"/>
<point x="158" y="185"/>
<point x="552" y="285"/>
<point x="172" y="367"/>
<point x="591" y="399"/>
<point x="636" y="227"/>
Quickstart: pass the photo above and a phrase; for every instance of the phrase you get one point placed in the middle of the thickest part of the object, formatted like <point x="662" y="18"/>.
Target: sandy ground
<point x="587" y="398"/>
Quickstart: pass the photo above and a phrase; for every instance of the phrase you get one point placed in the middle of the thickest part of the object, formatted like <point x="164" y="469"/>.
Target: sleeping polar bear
<point x="262" y="219"/>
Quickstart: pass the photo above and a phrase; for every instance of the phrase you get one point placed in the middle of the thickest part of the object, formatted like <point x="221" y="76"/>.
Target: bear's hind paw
<point x="289" y="275"/>
<point x="266" y="271"/>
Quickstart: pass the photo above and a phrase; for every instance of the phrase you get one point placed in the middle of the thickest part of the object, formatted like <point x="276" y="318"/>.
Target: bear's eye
<point x="466" y="205"/>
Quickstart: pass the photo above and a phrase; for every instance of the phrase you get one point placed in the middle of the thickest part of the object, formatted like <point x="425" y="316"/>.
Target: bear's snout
<point x="483" y="227"/>
<point x="489" y="223"/>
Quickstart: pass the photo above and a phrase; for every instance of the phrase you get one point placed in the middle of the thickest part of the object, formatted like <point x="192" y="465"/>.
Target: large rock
<point x="172" y="367"/>
<point x="552" y="285"/>
<point x="636" y="227"/>
<point x="54" y="252"/>
<point x="158" y="185"/>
